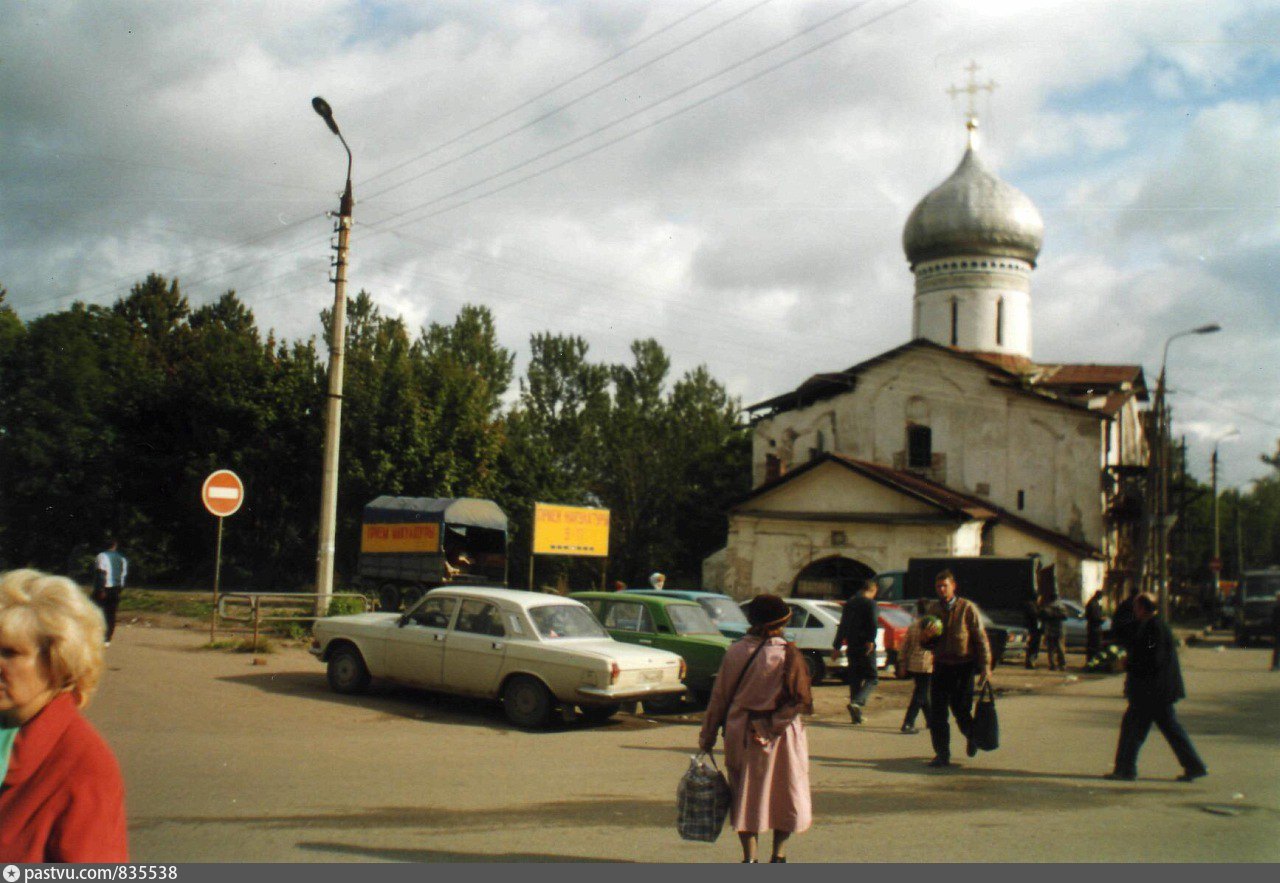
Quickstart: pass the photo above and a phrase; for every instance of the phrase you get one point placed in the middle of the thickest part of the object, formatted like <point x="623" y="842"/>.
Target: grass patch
<point x="195" y="605"/>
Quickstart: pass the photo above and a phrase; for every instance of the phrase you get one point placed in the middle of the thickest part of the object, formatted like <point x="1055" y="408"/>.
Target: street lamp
<point x="333" y="410"/>
<point x="1216" y="564"/>
<point x="1161" y="465"/>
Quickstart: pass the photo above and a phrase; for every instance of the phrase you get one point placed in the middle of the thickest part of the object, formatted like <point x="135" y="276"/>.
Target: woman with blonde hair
<point x="62" y="797"/>
<point x="761" y="691"/>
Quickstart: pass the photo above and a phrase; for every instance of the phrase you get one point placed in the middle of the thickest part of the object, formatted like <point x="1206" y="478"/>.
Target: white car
<point x="533" y="651"/>
<point x="813" y="630"/>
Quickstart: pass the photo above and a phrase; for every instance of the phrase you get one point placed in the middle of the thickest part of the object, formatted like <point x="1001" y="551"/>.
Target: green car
<point x="674" y="624"/>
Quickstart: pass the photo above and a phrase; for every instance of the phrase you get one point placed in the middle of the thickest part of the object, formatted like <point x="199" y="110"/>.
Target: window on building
<point x="1000" y="322"/>
<point x="772" y="467"/>
<point x="955" y="323"/>
<point x="919" y="446"/>
<point x="1022" y="500"/>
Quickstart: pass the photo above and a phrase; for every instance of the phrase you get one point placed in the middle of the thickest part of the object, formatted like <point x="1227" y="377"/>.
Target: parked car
<point x="722" y="609"/>
<point x="1076" y="629"/>
<point x="1007" y="640"/>
<point x="894" y="622"/>
<point x="669" y="623"/>
<point x="813" y="630"/>
<point x="534" y="652"/>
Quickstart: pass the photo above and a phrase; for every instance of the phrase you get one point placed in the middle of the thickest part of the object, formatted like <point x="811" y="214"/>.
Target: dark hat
<point x="767" y="610"/>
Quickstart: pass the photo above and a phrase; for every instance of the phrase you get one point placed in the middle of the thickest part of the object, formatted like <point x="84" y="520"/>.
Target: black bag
<point x="986" y="726"/>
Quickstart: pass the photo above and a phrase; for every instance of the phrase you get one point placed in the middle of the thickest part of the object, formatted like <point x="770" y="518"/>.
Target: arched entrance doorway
<point x="835" y="578"/>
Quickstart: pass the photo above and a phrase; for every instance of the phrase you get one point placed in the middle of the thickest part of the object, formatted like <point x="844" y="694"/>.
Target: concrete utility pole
<point x="1161" y="469"/>
<point x="333" y="411"/>
<point x="1216" y="564"/>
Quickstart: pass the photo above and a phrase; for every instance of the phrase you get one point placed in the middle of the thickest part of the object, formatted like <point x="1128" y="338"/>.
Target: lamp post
<point x="1162" y="469"/>
<point x="333" y="410"/>
<point x="1216" y="564"/>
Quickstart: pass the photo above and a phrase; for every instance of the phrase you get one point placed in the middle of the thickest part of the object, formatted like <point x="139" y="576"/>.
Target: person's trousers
<point x="108" y="600"/>
<point x="1135" y="725"/>
<point x="951" y="689"/>
<point x="1055" y="649"/>
<point x="1092" y="642"/>
<point x="1275" y="652"/>
<point x="1033" y="648"/>
<point x="919" y="700"/>
<point x="863" y="677"/>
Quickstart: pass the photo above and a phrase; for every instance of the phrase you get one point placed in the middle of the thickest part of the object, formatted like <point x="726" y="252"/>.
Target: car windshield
<point x="690" y="619"/>
<point x="722" y="610"/>
<point x="556" y="621"/>
<point x="1261" y="586"/>
<point x="829" y="607"/>
<point x="895" y="616"/>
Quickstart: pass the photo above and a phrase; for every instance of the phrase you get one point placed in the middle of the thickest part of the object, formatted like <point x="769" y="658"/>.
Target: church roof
<point x="953" y="502"/>
<point x="973" y="212"/>
<point x="824" y="386"/>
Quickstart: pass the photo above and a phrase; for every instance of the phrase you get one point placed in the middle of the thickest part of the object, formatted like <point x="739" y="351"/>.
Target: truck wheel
<point x="817" y="668"/>
<point x="347" y="672"/>
<point x="389" y="598"/>
<point x="527" y="703"/>
<point x="598" y="714"/>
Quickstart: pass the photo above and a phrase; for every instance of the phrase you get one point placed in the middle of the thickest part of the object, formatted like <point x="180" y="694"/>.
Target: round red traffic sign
<point x="1215" y="564"/>
<point x="223" y="492"/>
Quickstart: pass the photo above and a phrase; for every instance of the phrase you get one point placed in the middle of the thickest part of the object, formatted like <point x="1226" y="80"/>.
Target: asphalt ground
<point x="225" y="760"/>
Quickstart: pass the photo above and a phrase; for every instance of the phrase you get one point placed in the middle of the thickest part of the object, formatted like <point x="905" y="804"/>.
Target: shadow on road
<point x="435" y="855"/>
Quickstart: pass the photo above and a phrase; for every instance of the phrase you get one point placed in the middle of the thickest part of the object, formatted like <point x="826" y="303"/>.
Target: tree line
<point x="112" y="416"/>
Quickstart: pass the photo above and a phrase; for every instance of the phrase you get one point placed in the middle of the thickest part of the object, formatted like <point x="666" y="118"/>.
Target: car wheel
<point x="389" y="597"/>
<point x="527" y="703"/>
<point x="347" y="671"/>
<point x="598" y="714"/>
<point x="817" y="668"/>
<point x="667" y="704"/>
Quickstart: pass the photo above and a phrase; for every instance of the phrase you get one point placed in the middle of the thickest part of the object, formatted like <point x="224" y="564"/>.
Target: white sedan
<point x="533" y="651"/>
<point x="813" y="630"/>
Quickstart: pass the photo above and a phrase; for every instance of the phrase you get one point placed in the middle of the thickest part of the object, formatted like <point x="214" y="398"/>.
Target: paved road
<point x="227" y="761"/>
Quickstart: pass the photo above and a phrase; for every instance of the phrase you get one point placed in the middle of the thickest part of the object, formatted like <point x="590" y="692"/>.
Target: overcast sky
<point x="728" y="177"/>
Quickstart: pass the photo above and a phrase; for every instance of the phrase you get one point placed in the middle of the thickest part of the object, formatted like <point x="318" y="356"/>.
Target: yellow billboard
<point x="400" y="538"/>
<point x="570" y="530"/>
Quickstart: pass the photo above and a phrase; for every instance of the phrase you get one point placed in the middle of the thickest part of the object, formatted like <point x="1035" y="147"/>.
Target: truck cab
<point x="1255" y="599"/>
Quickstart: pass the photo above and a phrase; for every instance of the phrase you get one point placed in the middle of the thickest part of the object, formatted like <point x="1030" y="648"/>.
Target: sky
<point x="729" y="177"/>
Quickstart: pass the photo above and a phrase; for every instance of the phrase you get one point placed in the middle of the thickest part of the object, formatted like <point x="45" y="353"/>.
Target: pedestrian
<point x="1031" y="619"/>
<point x="960" y="655"/>
<point x="859" y="623"/>
<point x="1275" y="634"/>
<point x="109" y="571"/>
<point x="916" y="661"/>
<point x="1093" y="618"/>
<point x="619" y="586"/>
<point x="1053" y="613"/>
<point x="1124" y="624"/>
<point x="1152" y="684"/>
<point x="63" y="797"/>
<point x="658" y="580"/>
<point x="760" y="692"/>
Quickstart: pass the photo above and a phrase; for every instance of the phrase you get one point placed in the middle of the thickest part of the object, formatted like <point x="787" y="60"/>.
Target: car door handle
<point x="498" y="645"/>
<point x="438" y="637"/>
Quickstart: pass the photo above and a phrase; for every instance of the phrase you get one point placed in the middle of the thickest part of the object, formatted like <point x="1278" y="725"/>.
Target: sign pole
<point x="531" y="556"/>
<point x="217" y="574"/>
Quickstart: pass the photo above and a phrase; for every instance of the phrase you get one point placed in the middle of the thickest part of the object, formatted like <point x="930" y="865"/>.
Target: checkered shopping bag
<point x="702" y="800"/>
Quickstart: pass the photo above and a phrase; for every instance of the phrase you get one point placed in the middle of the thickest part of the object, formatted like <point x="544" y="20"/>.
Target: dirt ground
<point x="227" y="760"/>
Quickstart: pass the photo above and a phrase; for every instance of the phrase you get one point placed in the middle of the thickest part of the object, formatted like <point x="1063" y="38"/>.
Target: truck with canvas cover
<point x="409" y="545"/>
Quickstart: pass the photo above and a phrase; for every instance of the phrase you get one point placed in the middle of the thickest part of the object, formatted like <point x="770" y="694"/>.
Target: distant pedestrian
<point x="658" y="580"/>
<point x="619" y="585"/>
<point x="859" y="624"/>
<point x="1275" y="634"/>
<point x="1093" y="618"/>
<point x="916" y="661"/>
<point x="63" y="797"/>
<point x="109" y="571"/>
<point x="1053" y="613"/>
<point x="960" y="655"/>
<point x="760" y="692"/>
<point x="1152" y="685"/>
<point x="1031" y="619"/>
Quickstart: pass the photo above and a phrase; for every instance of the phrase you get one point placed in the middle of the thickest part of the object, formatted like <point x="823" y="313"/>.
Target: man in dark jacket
<point x="1153" y="684"/>
<point x="1093" y="618"/>
<point x="1031" y="619"/>
<point x="859" y="622"/>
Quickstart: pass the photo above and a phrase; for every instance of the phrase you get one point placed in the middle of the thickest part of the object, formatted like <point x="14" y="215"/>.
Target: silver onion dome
<point x="973" y="212"/>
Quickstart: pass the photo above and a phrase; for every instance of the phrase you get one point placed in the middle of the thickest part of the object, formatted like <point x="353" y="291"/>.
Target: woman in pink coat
<point x="760" y="693"/>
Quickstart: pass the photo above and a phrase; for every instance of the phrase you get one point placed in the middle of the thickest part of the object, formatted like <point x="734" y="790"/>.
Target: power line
<point x="544" y="94"/>
<point x="583" y="97"/>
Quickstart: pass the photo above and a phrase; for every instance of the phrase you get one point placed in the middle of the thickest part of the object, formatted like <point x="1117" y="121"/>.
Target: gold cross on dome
<point x="972" y="90"/>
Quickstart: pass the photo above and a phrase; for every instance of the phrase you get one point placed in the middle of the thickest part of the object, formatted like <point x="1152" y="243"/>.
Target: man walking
<point x="1093" y="627"/>
<point x="109" y="571"/>
<point x="859" y="622"/>
<point x="1031" y="619"/>
<point x="960" y="655"/>
<point x="1152" y="685"/>
<point x="1052" y="616"/>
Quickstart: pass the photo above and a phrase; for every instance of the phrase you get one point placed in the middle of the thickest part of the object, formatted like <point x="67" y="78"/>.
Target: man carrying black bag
<point x="961" y="654"/>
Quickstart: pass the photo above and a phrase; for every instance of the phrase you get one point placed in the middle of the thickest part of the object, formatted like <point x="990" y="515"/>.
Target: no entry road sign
<point x="223" y="492"/>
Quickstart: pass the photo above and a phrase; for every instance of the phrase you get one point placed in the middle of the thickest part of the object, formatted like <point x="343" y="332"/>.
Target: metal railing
<point x="258" y="607"/>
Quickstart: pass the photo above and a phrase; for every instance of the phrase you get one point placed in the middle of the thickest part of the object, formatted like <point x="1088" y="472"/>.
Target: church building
<point x="955" y="443"/>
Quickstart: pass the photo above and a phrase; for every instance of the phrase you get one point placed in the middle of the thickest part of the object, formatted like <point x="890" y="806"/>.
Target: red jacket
<point x="63" y="798"/>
